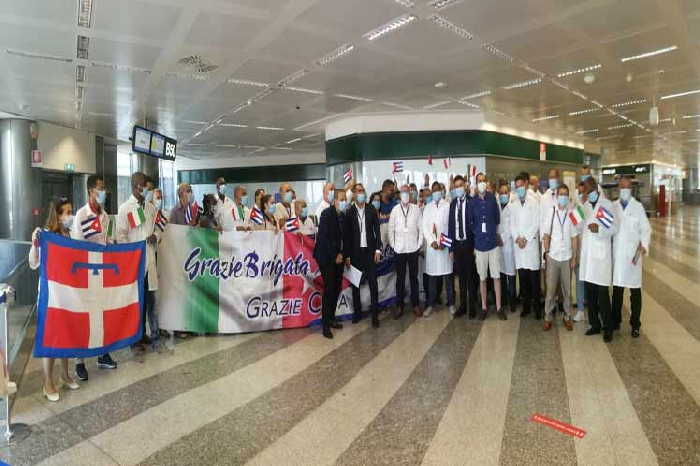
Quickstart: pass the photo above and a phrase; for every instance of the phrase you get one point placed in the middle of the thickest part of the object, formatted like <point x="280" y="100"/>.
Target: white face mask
<point x="625" y="194"/>
<point x="67" y="222"/>
<point x="158" y="203"/>
<point x="405" y="197"/>
<point x="481" y="187"/>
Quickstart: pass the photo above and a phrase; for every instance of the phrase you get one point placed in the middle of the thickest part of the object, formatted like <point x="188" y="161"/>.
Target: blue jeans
<point x="432" y="289"/>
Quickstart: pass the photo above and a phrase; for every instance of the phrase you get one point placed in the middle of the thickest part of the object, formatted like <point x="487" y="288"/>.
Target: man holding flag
<point x="136" y="222"/>
<point x="600" y="225"/>
<point x="92" y="224"/>
<point x="185" y="212"/>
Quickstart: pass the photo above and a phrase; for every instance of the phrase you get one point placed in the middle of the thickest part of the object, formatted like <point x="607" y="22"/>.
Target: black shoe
<point x="356" y="318"/>
<point x="607" y="337"/>
<point x="524" y="312"/>
<point x="375" y="321"/>
<point x="635" y="333"/>
<point x="81" y="372"/>
<point x="502" y="314"/>
<point x="336" y="325"/>
<point x="398" y="313"/>
<point x="472" y="315"/>
<point x="106" y="362"/>
<point x="592" y="331"/>
<point x="483" y="315"/>
<point x="512" y="308"/>
<point x="460" y="312"/>
<point x="538" y="315"/>
<point x="327" y="333"/>
<point x="616" y="327"/>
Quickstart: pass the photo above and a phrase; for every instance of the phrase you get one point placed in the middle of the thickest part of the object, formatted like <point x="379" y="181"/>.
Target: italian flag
<point x="136" y="217"/>
<point x="110" y="228"/>
<point x="576" y="215"/>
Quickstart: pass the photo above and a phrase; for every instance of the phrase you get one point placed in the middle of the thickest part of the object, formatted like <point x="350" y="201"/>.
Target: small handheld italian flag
<point x="292" y="224"/>
<point x="347" y="176"/>
<point x="445" y="241"/>
<point x="136" y="217"/>
<point x="576" y="215"/>
<point x="111" y="233"/>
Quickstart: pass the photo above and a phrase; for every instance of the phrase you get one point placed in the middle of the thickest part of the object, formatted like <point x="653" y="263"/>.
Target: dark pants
<point x="635" y="306"/>
<point x="530" y="290"/>
<point x="465" y="267"/>
<point x="434" y="290"/>
<point x="599" y="314"/>
<point x="365" y="263"/>
<point x="508" y="284"/>
<point x="410" y="259"/>
<point x="332" y="278"/>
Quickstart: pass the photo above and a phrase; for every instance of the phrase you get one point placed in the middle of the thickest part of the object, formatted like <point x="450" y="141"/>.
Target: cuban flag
<point x="347" y="176"/>
<point x="90" y="297"/>
<point x="604" y="216"/>
<point x="193" y="211"/>
<point x="445" y="241"/>
<point x="256" y="216"/>
<point x="91" y="226"/>
<point x="397" y="167"/>
<point x="292" y="224"/>
<point x="161" y="221"/>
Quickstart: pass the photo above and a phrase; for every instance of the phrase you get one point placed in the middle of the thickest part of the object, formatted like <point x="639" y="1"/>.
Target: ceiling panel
<point x="214" y="29"/>
<point x="351" y="18"/>
<point x="59" y="11"/>
<point x="121" y="53"/>
<point x="137" y="18"/>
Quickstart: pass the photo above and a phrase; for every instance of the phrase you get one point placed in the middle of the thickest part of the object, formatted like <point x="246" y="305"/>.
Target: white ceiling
<point x="266" y="53"/>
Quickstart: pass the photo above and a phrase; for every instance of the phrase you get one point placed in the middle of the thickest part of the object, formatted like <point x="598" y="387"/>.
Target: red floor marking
<point x="558" y="425"/>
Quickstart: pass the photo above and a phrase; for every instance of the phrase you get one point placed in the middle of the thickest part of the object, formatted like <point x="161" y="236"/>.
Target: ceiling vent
<point x="197" y="64"/>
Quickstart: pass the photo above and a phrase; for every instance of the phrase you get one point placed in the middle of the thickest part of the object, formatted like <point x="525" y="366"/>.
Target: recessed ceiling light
<point x="232" y="125"/>
<point x="522" y="84"/>
<point x="581" y="112"/>
<point x="468" y="104"/>
<point x="354" y="97"/>
<point x="437" y="104"/>
<point x="290" y="78"/>
<point x="440" y="84"/>
<point x="476" y="95"/>
<point x="292" y="141"/>
<point x="587" y="131"/>
<point x="564" y="74"/>
<point x="650" y="54"/>
<point x="245" y="82"/>
<point x="193" y="122"/>
<point x="271" y="128"/>
<point x="691" y="116"/>
<point x="392" y="25"/>
<point x="304" y="90"/>
<point x="335" y="54"/>
<point x="681" y="94"/>
<point x="84" y="13"/>
<point x="393" y="104"/>
<point x="548" y="117"/>
<point x="281" y="148"/>
<point x="82" y="47"/>
<point x="442" y="4"/>
<point x="629" y="102"/>
<point x="406" y="3"/>
<point x="446" y="24"/>
<point x="627" y="125"/>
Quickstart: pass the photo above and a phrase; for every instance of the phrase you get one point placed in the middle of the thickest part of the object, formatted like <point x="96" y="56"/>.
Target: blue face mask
<point x="563" y="200"/>
<point x="376" y="204"/>
<point x="158" y="203"/>
<point x="437" y="195"/>
<point x="361" y="197"/>
<point x="244" y="200"/>
<point x="553" y="183"/>
<point x="585" y="177"/>
<point x="459" y="192"/>
<point x="101" y="196"/>
<point x="593" y="196"/>
<point x="504" y="198"/>
<point x="521" y="191"/>
<point x="342" y="205"/>
<point x="271" y="209"/>
<point x="625" y="194"/>
<point x="287" y="197"/>
<point x="304" y="211"/>
<point x="428" y="198"/>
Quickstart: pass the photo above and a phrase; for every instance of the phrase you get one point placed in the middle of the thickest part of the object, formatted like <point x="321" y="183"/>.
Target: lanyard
<point x="561" y="221"/>
<point x="405" y="214"/>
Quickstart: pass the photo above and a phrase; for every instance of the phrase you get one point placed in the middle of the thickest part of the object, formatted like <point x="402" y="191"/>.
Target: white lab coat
<point x="525" y="223"/>
<point x="547" y="201"/>
<point x="239" y="221"/>
<point x="85" y="212"/>
<point x="321" y="207"/>
<point x="405" y="234"/>
<point x="437" y="262"/>
<point x="596" y="248"/>
<point x="223" y="213"/>
<point x="633" y="228"/>
<point x="507" y="252"/>
<point x="125" y="234"/>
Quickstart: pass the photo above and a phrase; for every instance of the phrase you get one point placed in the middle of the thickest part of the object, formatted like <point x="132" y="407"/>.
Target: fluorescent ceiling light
<point x="392" y="25"/>
<point x="587" y="131"/>
<point x="406" y="3"/>
<point x="548" y="117"/>
<point x="82" y="47"/>
<point x="192" y="122"/>
<point x="292" y="141"/>
<point x="335" y="54"/>
<point x="245" y="82"/>
<point x="580" y="70"/>
<point x="468" y="104"/>
<point x="437" y="104"/>
<point x="271" y="128"/>
<point x="581" y="112"/>
<point x="476" y="95"/>
<point x="442" y="4"/>
<point x="290" y="78"/>
<point x="227" y="145"/>
<point x="446" y="24"/>
<point x="682" y="94"/>
<point x="80" y="73"/>
<point x="281" y="148"/>
<point x="629" y="102"/>
<point x="490" y="48"/>
<point x="627" y="125"/>
<point x="232" y="125"/>
<point x="354" y="97"/>
<point x="650" y="54"/>
<point x="84" y="13"/>
<point x="303" y="89"/>
<point x="691" y="116"/>
<point x="522" y="84"/>
<point x="401" y="106"/>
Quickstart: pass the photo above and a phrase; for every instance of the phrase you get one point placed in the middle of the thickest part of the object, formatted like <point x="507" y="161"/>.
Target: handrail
<point x="18" y="268"/>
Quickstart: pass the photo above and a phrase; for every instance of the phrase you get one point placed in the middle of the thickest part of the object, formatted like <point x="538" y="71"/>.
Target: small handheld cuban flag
<point x="445" y="241"/>
<point x="347" y="176"/>
<point x="192" y="211"/>
<point x="161" y="221"/>
<point x="91" y="226"/>
<point x="397" y="167"/>
<point x="256" y="216"/>
<point x="292" y="224"/>
<point x="604" y="216"/>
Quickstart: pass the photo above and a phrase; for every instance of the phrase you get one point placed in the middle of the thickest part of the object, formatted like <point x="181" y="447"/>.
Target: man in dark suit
<point x="362" y="246"/>
<point x="328" y="253"/>
<point x="462" y="250"/>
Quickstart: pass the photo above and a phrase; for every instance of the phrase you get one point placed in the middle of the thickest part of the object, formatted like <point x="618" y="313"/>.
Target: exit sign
<point x="69" y="167"/>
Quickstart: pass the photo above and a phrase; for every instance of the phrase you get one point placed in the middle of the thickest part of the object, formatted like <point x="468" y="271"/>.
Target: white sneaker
<point x="428" y="311"/>
<point x="579" y="317"/>
<point x="452" y="310"/>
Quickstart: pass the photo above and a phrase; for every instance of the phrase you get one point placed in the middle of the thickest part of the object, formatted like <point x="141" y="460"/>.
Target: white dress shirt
<point x="81" y="216"/>
<point x="558" y="225"/>
<point x="405" y="228"/>
<point x="126" y="234"/>
<point x="362" y="224"/>
<point x="321" y="207"/>
<point x="223" y="213"/>
<point x="461" y="204"/>
<point x="238" y="220"/>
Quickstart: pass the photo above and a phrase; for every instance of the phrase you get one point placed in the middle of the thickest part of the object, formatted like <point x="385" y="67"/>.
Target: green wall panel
<point x="261" y="174"/>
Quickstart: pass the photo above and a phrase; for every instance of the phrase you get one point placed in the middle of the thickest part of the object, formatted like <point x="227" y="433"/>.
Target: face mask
<point x="563" y="200"/>
<point x="287" y="197"/>
<point x="376" y="204"/>
<point x="625" y="194"/>
<point x="304" y="211"/>
<point x="67" y="222"/>
<point x="342" y="205"/>
<point x="585" y="177"/>
<point x="158" y="203"/>
<point x="593" y="196"/>
<point x="361" y="197"/>
<point x="148" y="195"/>
<point x="459" y="192"/>
<point x="244" y="200"/>
<point x="579" y="196"/>
<point x="414" y="195"/>
<point x="521" y="192"/>
<point x="553" y="183"/>
<point x="101" y="196"/>
<point x="222" y="189"/>
<point x="503" y="198"/>
<point x="437" y="195"/>
<point x="404" y="197"/>
<point x="481" y="187"/>
<point x="428" y="198"/>
<point x="271" y="209"/>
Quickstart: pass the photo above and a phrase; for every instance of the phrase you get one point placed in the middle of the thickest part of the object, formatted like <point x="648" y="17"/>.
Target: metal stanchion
<point x="11" y="433"/>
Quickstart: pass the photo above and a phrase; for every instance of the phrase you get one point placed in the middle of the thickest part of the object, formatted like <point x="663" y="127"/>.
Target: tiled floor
<point x="432" y="391"/>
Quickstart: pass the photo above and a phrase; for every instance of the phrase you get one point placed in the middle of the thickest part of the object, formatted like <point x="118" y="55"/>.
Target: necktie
<point x="460" y="220"/>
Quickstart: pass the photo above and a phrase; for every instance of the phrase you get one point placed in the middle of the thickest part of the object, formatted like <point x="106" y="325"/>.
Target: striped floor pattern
<point x="429" y="391"/>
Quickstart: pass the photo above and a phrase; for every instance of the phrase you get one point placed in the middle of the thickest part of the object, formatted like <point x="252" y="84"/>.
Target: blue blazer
<point x="329" y="239"/>
<point x="452" y="224"/>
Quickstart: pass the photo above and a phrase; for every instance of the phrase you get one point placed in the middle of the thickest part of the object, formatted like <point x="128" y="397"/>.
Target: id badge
<point x="483" y="227"/>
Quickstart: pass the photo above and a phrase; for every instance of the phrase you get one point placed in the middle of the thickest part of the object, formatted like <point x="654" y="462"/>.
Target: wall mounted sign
<point x="145" y="141"/>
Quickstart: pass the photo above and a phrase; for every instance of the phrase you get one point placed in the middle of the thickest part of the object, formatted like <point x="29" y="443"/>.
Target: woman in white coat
<point x="524" y="231"/>
<point x="438" y="264"/>
<point x="507" y="253"/>
<point x="630" y="244"/>
<point x="599" y="225"/>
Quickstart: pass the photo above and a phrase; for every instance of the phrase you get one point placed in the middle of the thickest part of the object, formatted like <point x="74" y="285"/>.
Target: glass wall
<point x="166" y="169"/>
<point x="310" y="191"/>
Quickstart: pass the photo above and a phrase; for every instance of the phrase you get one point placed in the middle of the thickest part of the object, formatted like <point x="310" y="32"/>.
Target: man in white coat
<point x="240" y="213"/>
<point x="405" y="238"/>
<point x="599" y="226"/>
<point x="630" y="244"/>
<point x="524" y="231"/>
<point x="438" y="264"/>
<point x="136" y="222"/>
<point x="507" y="253"/>
<point x="224" y="208"/>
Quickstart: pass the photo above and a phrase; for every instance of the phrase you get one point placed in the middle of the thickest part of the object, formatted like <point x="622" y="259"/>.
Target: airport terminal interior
<point x="206" y="206"/>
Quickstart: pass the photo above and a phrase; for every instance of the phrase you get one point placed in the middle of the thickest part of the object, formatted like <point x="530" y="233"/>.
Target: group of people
<point x="506" y="241"/>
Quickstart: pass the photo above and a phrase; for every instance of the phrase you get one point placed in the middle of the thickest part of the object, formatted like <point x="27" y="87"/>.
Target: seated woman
<point x="267" y="206"/>
<point x="208" y="217"/>
<point x="60" y="220"/>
